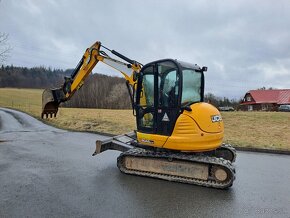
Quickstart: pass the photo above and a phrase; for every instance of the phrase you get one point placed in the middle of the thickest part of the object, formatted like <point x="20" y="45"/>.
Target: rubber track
<point x="212" y="161"/>
<point x="231" y="149"/>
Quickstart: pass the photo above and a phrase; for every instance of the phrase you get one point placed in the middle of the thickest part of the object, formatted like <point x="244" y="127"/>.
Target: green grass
<point x="28" y="100"/>
<point x="270" y="130"/>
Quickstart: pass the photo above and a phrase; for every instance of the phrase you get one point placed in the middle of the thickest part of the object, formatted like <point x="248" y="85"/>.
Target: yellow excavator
<point x="179" y="137"/>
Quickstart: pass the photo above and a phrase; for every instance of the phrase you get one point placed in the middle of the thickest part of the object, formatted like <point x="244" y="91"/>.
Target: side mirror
<point x="204" y="69"/>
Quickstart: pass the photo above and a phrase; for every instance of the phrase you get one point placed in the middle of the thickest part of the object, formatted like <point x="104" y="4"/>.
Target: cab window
<point x="168" y="80"/>
<point x="191" y="86"/>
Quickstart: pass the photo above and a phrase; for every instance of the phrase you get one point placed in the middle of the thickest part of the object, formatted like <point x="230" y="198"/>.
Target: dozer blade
<point x="50" y="102"/>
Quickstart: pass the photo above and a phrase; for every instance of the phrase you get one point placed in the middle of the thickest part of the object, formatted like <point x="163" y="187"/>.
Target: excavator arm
<point x="51" y="98"/>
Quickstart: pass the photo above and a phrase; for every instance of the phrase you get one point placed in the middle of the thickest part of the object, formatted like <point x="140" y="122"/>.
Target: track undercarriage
<point x="210" y="169"/>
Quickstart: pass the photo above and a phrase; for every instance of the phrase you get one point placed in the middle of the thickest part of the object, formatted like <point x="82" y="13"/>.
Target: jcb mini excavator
<point x="178" y="137"/>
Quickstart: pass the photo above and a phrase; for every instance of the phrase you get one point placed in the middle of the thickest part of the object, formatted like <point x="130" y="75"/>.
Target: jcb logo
<point x="216" y="118"/>
<point x="147" y="141"/>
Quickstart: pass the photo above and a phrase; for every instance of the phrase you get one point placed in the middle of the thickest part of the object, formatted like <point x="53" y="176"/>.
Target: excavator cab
<point x="164" y="89"/>
<point x="170" y="110"/>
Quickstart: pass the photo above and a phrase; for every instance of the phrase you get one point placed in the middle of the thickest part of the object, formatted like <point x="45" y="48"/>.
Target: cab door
<point x="158" y="98"/>
<point x="146" y="100"/>
<point x="168" y="96"/>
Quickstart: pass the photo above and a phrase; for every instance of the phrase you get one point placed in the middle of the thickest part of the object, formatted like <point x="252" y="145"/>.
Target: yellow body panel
<point x="202" y="113"/>
<point x="151" y="139"/>
<point x="201" y="129"/>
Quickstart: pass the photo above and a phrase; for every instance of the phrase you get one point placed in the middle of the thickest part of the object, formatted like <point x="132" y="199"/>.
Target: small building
<point x="265" y="100"/>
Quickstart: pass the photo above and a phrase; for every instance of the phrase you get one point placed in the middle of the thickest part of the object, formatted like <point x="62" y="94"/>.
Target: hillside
<point x="36" y="77"/>
<point x="99" y="91"/>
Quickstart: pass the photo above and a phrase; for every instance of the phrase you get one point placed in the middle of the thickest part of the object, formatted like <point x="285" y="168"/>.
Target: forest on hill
<point x="99" y="91"/>
<point x="36" y="77"/>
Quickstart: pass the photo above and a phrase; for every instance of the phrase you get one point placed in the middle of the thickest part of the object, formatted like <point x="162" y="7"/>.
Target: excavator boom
<point x="51" y="98"/>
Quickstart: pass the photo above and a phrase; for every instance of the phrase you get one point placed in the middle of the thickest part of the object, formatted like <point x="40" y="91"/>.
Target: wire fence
<point x="27" y="106"/>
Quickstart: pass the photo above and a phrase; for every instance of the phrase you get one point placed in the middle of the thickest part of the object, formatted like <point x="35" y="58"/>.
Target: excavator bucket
<point x="50" y="102"/>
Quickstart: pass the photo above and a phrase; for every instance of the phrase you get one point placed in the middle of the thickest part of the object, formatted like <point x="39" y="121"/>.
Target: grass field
<point x="269" y="130"/>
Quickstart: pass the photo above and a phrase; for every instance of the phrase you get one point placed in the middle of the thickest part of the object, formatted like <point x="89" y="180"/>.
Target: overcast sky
<point x="244" y="44"/>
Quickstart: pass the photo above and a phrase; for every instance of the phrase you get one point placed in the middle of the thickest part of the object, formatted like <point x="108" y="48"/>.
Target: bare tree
<point x="5" y="48"/>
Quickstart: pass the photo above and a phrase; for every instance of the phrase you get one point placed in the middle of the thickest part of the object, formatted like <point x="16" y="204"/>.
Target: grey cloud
<point x="245" y="44"/>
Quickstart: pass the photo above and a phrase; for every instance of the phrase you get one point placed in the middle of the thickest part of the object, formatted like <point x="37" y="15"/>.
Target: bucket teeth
<point x="48" y="115"/>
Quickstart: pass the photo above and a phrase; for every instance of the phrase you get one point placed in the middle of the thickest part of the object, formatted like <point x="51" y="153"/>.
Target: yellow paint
<point x="91" y="58"/>
<point x="90" y="61"/>
<point x="151" y="139"/>
<point x="202" y="114"/>
<point x="194" y="131"/>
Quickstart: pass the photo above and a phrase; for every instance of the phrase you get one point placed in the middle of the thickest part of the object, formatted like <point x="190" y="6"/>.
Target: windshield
<point x="191" y="86"/>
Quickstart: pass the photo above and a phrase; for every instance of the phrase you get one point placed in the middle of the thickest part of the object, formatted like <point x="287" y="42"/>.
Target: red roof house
<point x="265" y="100"/>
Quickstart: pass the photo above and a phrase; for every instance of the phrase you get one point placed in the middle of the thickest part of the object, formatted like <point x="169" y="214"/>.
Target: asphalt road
<point x="47" y="172"/>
